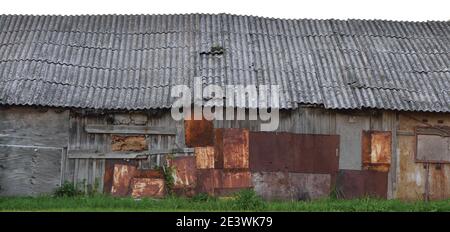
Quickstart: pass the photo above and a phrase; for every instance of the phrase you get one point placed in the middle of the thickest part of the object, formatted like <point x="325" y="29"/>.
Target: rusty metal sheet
<point x="233" y="179"/>
<point x="361" y="183"/>
<point x="204" y="157"/>
<point x="198" y="133"/>
<point x="121" y="179"/>
<point x="185" y="171"/>
<point x="218" y="148"/>
<point x="206" y="181"/>
<point x="109" y="172"/>
<point x="128" y="143"/>
<point x="289" y="152"/>
<point x="291" y="186"/>
<point x="376" y="150"/>
<point x="147" y="187"/>
<point x="235" y="148"/>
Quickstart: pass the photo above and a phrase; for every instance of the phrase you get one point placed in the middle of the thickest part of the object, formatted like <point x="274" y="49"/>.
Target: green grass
<point x="107" y="203"/>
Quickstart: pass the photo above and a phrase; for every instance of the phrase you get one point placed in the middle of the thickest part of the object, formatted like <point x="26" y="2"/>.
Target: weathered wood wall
<point x="89" y="173"/>
<point x="32" y="143"/>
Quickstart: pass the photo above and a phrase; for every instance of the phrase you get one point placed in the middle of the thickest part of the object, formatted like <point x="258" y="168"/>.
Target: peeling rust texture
<point x="288" y="152"/>
<point x="147" y="187"/>
<point x="361" y="183"/>
<point x="185" y="171"/>
<point x="121" y="179"/>
<point x="109" y="172"/>
<point x="291" y="186"/>
<point x="128" y="143"/>
<point x="198" y="133"/>
<point x="235" y="148"/>
<point x="204" y="157"/>
<point x="376" y="150"/>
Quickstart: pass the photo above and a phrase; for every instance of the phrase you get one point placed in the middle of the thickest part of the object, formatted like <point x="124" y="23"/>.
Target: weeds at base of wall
<point x="69" y="189"/>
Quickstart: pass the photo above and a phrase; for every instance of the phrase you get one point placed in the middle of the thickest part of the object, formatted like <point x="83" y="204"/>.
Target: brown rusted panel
<point x="185" y="171"/>
<point x="235" y="148"/>
<point x="291" y="186"/>
<point x="288" y="152"/>
<point x="376" y="150"/>
<point x="199" y="133"/>
<point x="109" y="172"/>
<point x="128" y="143"/>
<point x="206" y="181"/>
<point x="218" y="148"/>
<point x="148" y="173"/>
<point x="187" y="192"/>
<point x="147" y="187"/>
<point x="233" y="179"/>
<point x="121" y="179"/>
<point x="361" y="183"/>
<point x="204" y="157"/>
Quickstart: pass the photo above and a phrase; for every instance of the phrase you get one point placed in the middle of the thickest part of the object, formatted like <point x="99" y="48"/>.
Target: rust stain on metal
<point x="376" y="150"/>
<point x="109" y="172"/>
<point x="218" y="148"/>
<point x="204" y="157"/>
<point x="288" y="152"/>
<point x="438" y="182"/>
<point x="198" y="133"/>
<point x="235" y="148"/>
<point x="233" y="179"/>
<point x="291" y="186"/>
<point x="361" y="183"/>
<point x="121" y="179"/>
<point x="206" y="181"/>
<point x="128" y="143"/>
<point x="185" y="171"/>
<point x="147" y="187"/>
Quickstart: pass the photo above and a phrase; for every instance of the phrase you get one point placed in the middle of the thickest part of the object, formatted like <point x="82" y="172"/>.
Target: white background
<point x="412" y="10"/>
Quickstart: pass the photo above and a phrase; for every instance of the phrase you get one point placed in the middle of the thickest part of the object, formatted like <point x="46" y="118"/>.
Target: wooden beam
<point x="129" y="129"/>
<point x="90" y="154"/>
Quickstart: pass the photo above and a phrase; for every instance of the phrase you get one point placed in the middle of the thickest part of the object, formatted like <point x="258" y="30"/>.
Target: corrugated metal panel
<point x="131" y="61"/>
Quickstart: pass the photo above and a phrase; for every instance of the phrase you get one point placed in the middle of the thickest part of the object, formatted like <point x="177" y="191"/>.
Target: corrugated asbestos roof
<point x="131" y="61"/>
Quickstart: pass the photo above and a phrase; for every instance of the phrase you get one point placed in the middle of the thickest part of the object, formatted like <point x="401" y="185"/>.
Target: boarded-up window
<point x="433" y="145"/>
<point x="376" y="150"/>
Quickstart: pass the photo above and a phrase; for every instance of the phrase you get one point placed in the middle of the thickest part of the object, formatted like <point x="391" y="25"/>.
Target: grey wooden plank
<point x="129" y="129"/>
<point x="89" y="154"/>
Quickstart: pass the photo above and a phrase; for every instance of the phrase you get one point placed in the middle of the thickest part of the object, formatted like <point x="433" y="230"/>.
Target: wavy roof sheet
<point x="132" y="61"/>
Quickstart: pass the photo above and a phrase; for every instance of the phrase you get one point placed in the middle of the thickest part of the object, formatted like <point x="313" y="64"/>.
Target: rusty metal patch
<point x="128" y="143"/>
<point x="288" y="152"/>
<point x="361" y="183"/>
<point x="109" y="172"/>
<point x="218" y="148"/>
<point x="206" y="181"/>
<point x="185" y="171"/>
<point x="121" y="179"/>
<point x="147" y="187"/>
<point x="198" y="133"/>
<point x="291" y="186"/>
<point x="376" y="150"/>
<point x="235" y="148"/>
<point x="233" y="179"/>
<point x="204" y="157"/>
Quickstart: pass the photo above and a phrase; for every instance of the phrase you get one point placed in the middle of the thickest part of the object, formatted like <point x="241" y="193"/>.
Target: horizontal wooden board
<point x="129" y="129"/>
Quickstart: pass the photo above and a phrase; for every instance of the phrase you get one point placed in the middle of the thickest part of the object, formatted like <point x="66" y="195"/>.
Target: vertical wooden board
<point x="235" y="148"/>
<point x="204" y="157"/>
